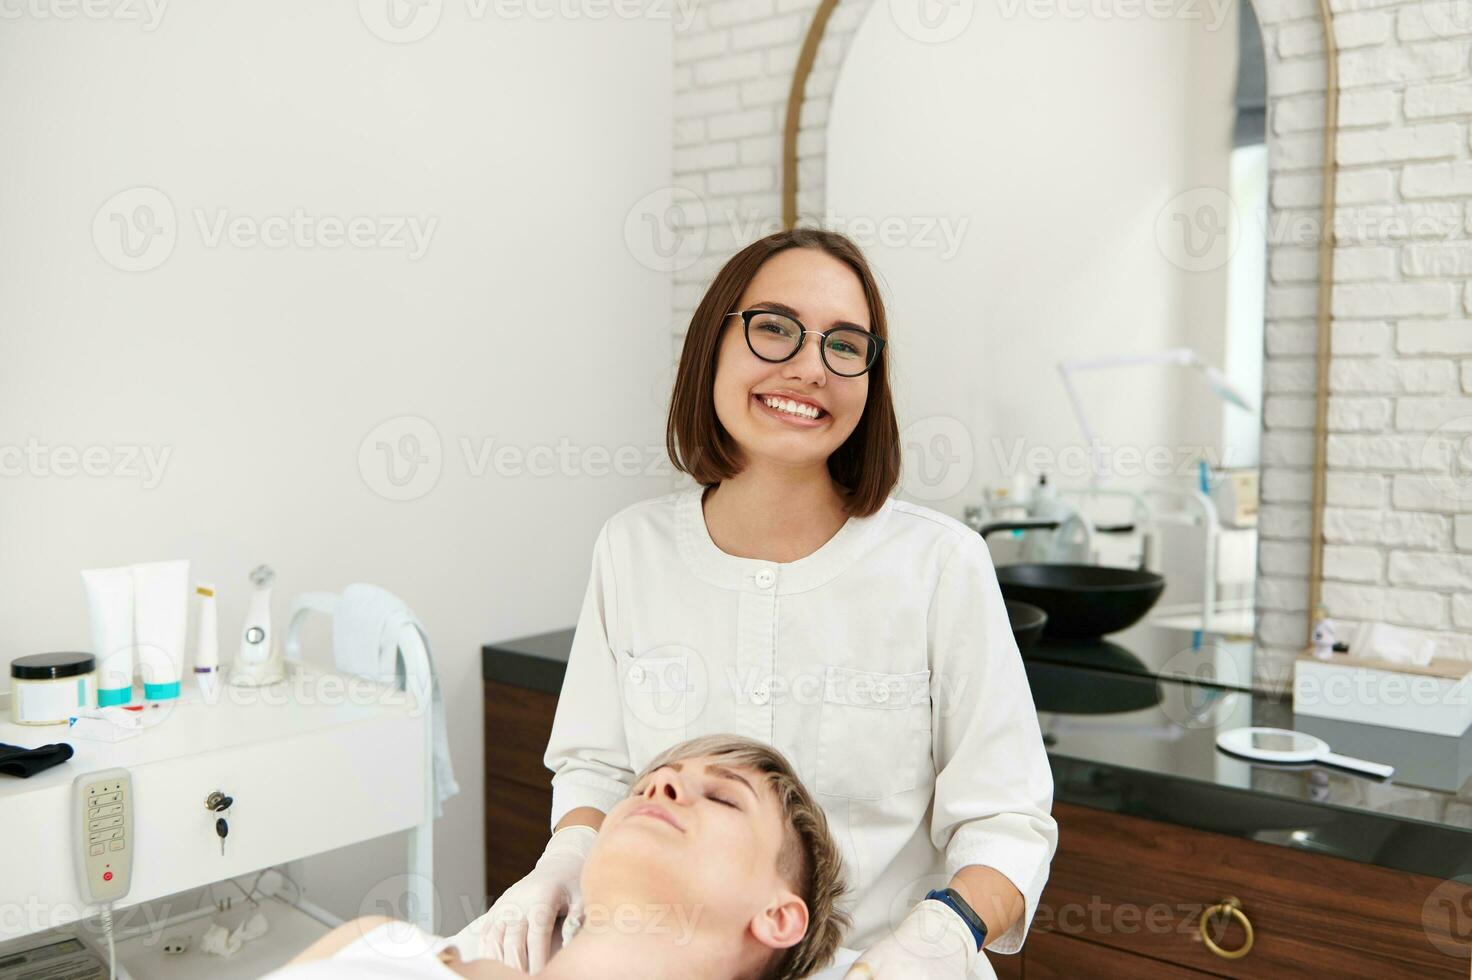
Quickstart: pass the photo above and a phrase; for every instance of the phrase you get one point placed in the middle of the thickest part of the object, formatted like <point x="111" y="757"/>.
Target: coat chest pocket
<point x="658" y="698"/>
<point x="873" y="733"/>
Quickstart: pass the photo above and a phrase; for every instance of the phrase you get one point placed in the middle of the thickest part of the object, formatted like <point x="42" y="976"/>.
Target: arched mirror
<point x="1069" y="216"/>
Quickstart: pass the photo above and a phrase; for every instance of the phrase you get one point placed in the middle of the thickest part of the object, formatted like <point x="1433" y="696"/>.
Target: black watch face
<point x="967" y="912"/>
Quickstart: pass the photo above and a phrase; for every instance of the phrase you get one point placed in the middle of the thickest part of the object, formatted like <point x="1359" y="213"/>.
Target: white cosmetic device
<point x="259" y="662"/>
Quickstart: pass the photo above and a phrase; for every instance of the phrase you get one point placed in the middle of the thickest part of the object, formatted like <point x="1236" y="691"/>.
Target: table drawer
<point x="294" y="797"/>
<point x="1051" y="956"/>
<point x="1140" y="886"/>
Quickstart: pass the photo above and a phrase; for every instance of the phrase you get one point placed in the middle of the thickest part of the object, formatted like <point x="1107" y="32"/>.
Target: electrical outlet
<point x="174" y="945"/>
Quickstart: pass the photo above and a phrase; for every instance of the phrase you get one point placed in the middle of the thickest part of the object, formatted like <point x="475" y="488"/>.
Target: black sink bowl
<point x="1082" y="602"/>
<point x="1027" y="623"/>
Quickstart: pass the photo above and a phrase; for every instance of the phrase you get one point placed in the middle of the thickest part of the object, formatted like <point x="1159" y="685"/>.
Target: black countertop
<point x="1124" y="734"/>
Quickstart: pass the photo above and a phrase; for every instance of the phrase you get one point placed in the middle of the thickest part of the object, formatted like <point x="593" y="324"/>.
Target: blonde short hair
<point x="809" y="859"/>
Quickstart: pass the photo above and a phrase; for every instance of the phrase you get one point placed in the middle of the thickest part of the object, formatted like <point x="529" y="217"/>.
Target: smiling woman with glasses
<point x="785" y="593"/>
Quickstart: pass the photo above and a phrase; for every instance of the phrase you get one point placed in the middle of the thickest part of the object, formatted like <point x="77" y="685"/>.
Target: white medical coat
<point x="882" y="665"/>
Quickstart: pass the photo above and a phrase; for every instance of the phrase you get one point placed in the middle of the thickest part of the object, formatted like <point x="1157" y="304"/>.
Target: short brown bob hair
<point x="809" y="859"/>
<point x="866" y="467"/>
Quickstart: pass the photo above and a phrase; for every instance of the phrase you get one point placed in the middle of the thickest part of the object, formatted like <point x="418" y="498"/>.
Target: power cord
<point x="112" y="956"/>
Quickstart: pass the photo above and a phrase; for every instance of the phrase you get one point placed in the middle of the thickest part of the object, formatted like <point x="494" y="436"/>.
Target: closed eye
<point x="722" y="799"/>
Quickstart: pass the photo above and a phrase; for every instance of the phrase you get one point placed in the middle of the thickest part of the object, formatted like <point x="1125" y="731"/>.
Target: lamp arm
<point x="1083" y="421"/>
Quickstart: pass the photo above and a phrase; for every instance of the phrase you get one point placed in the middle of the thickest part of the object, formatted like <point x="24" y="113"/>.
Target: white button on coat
<point x="882" y="665"/>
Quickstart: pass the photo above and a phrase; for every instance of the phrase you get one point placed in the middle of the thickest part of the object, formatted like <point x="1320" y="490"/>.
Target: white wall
<point x="262" y="370"/>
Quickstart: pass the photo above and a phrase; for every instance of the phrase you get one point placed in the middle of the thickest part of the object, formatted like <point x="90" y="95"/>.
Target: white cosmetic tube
<point x="110" y="606"/>
<point x="160" y="622"/>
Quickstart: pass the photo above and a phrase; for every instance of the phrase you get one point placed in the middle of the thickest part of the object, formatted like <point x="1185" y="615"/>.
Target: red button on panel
<point x="107" y="876"/>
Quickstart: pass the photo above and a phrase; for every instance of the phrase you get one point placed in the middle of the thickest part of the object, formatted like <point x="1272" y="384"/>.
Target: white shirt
<point x="882" y="665"/>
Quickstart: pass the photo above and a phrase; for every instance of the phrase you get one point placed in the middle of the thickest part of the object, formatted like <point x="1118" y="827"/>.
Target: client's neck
<point x="646" y="943"/>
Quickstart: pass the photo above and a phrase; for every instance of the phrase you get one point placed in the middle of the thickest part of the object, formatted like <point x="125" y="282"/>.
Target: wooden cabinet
<point x="1124" y="896"/>
<point x="1126" y="885"/>
<point x="518" y="723"/>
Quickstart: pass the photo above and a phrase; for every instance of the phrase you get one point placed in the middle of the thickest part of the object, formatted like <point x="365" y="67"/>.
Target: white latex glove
<point x="517" y="930"/>
<point x="932" y="943"/>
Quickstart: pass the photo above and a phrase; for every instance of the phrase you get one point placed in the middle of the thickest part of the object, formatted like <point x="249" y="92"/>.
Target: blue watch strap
<point x="950" y="898"/>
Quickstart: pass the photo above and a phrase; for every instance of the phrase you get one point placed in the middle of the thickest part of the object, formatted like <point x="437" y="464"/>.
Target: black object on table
<point x="16" y="760"/>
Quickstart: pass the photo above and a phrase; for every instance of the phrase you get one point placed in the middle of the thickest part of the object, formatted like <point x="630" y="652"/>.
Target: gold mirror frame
<point x="809" y="54"/>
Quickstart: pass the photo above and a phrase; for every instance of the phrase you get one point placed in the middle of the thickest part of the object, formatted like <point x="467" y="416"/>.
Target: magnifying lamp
<point x="1180" y="356"/>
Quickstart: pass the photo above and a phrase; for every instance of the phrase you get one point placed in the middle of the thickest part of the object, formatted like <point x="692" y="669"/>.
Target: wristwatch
<point x="968" y="915"/>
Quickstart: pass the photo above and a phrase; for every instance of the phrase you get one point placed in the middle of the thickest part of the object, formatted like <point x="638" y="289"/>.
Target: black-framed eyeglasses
<point x="846" y="351"/>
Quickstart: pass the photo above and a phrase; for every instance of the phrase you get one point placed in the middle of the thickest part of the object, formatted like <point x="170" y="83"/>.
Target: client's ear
<point x="782" y="923"/>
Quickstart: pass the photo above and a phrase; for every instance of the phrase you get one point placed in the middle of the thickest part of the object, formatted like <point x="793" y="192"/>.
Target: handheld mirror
<point x="1286" y="745"/>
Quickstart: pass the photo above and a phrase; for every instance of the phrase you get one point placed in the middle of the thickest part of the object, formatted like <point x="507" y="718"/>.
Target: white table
<point x="316" y="762"/>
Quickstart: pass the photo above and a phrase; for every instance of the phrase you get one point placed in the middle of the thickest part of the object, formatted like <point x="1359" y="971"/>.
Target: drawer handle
<point x="1229" y="906"/>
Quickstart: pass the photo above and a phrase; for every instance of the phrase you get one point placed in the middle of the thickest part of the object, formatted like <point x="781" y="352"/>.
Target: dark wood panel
<point x="1008" y="966"/>
<point x="518" y="723"/>
<point x="1051" y="956"/>
<point x="517" y="830"/>
<point x="1140" y="886"/>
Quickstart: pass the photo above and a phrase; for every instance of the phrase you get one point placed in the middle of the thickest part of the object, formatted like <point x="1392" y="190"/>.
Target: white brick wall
<point x="1398" y="524"/>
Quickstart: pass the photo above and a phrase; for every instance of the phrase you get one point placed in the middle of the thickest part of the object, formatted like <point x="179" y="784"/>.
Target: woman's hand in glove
<point x="517" y="930"/>
<point x="932" y="943"/>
